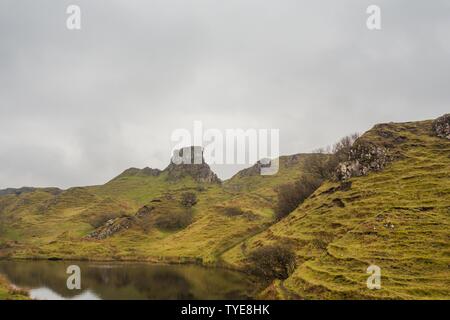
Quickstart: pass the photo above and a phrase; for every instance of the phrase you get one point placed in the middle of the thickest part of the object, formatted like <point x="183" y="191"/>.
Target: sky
<point x="77" y="107"/>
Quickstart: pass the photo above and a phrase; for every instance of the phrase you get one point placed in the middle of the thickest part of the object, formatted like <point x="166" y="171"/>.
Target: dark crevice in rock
<point x="338" y="203"/>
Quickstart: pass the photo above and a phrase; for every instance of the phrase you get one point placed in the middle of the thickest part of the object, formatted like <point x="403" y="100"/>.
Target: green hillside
<point x="388" y="205"/>
<point x="397" y="218"/>
<point x="49" y="223"/>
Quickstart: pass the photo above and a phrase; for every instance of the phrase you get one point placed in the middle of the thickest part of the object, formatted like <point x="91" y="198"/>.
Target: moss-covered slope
<point x="48" y="224"/>
<point x="397" y="218"/>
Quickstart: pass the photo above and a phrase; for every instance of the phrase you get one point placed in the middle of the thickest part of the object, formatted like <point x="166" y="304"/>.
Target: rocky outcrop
<point x="186" y="162"/>
<point x="364" y="157"/>
<point x="144" y="211"/>
<point x="111" y="227"/>
<point x="254" y="170"/>
<point x="189" y="162"/>
<point x="441" y="126"/>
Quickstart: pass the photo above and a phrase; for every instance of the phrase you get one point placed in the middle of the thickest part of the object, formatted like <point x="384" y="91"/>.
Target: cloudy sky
<point x="79" y="107"/>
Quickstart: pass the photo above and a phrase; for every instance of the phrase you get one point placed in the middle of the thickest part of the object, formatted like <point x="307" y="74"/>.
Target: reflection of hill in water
<point x="49" y="294"/>
<point x="128" y="280"/>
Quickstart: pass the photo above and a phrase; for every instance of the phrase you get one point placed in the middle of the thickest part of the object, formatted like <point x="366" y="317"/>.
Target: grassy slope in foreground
<point x="43" y="225"/>
<point x="398" y="219"/>
<point x="9" y="293"/>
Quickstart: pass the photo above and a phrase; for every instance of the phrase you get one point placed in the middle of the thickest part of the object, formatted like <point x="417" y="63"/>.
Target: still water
<point x="47" y="280"/>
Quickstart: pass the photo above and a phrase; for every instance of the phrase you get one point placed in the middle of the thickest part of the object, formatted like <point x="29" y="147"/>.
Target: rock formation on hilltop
<point x="186" y="162"/>
<point x="366" y="155"/>
<point x="189" y="162"/>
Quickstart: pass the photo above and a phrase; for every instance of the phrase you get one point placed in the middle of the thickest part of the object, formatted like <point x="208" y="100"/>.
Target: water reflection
<point x="49" y="294"/>
<point x="47" y="280"/>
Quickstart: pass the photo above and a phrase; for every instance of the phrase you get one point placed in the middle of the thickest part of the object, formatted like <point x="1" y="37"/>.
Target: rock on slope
<point x="395" y="215"/>
<point x="441" y="126"/>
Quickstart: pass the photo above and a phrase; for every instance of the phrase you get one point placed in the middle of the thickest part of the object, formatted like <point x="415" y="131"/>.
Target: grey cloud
<point x="77" y="108"/>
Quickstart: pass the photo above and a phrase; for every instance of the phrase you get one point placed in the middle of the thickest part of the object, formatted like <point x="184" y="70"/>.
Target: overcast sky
<point x="79" y="107"/>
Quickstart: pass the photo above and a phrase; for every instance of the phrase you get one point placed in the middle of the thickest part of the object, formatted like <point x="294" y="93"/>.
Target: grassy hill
<point x="397" y="218"/>
<point x="393" y="212"/>
<point x="51" y="223"/>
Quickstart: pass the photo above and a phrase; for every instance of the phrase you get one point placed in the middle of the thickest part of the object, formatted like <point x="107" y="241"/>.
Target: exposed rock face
<point x="188" y="155"/>
<point x="190" y="162"/>
<point x="364" y="157"/>
<point x="255" y="170"/>
<point x="144" y="211"/>
<point x="441" y="126"/>
<point x="185" y="162"/>
<point x="111" y="227"/>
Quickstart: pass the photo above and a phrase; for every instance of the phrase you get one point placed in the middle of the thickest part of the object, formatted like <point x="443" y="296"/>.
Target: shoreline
<point x="149" y="260"/>
<point x="9" y="291"/>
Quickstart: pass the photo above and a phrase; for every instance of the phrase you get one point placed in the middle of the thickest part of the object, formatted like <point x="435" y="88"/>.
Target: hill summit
<point x="189" y="161"/>
<point x="185" y="162"/>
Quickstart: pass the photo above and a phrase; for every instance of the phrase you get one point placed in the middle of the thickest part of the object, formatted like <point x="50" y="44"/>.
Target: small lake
<point x="47" y="280"/>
